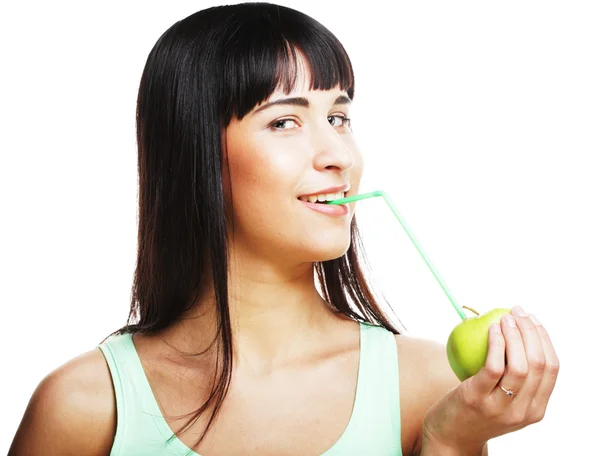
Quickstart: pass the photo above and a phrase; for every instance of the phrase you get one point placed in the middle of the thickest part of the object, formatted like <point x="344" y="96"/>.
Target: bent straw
<point x="390" y="204"/>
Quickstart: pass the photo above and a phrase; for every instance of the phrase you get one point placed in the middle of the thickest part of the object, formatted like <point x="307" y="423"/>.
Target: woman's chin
<point x="331" y="251"/>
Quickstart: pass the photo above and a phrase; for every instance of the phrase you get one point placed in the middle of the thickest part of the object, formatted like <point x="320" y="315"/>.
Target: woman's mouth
<point x="315" y="202"/>
<point x="322" y="197"/>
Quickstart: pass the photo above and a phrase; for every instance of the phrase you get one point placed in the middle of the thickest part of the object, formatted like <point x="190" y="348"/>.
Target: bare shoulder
<point x="71" y="412"/>
<point x="425" y="377"/>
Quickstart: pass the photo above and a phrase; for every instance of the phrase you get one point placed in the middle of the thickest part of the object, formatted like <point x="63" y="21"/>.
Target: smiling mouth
<point x="322" y="198"/>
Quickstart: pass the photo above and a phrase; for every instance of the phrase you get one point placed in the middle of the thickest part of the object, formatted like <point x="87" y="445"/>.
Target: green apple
<point x="468" y="343"/>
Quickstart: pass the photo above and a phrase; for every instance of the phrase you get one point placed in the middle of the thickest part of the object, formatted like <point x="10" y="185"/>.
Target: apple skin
<point x="468" y="343"/>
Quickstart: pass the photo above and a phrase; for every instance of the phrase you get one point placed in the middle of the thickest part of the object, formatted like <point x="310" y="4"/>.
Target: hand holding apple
<point x="520" y="357"/>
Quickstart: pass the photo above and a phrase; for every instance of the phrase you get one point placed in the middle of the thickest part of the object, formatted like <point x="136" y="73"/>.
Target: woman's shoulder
<point x="424" y="360"/>
<point x="72" y="410"/>
<point x="423" y="353"/>
<point x="425" y="363"/>
<point x="425" y="376"/>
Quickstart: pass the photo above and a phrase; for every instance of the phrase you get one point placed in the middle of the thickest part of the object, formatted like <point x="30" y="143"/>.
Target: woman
<point x="243" y="127"/>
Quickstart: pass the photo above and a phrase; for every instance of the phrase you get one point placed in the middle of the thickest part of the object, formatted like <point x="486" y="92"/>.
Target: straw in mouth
<point x="351" y="199"/>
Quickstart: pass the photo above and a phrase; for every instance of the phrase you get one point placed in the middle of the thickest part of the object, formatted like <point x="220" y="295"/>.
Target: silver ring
<point x="508" y="392"/>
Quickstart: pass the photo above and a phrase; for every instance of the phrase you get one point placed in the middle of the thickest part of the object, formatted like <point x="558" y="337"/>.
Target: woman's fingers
<point x="520" y="358"/>
<point x="517" y="368"/>
<point x="483" y="383"/>
<point x="535" y="358"/>
<point x="548" y="380"/>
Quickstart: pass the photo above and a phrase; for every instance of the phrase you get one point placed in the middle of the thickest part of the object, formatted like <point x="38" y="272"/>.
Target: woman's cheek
<point x="357" y="169"/>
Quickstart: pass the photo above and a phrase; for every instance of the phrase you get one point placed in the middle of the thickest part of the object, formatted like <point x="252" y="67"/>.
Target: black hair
<point x="205" y="69"/>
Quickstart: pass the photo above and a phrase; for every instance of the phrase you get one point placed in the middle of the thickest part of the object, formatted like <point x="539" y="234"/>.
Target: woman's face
<point x="285" y="149"/>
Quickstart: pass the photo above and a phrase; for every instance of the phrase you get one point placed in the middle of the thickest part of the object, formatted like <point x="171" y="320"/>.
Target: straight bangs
<point x="269" y="52"/>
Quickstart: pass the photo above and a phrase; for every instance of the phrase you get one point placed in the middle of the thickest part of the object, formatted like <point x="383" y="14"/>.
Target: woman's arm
<point x="425" y="376"/>
<point x="71" y="412"/>
<point x="432" y="447"/>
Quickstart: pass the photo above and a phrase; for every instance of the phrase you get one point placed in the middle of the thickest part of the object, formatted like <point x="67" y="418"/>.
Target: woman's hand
<point x="479" y="409"/>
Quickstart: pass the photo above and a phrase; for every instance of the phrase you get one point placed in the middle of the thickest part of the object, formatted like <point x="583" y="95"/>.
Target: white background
<point x="481" y="121"/>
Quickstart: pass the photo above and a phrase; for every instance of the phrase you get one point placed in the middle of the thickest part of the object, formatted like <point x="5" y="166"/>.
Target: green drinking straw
<point x="389" y="202"/>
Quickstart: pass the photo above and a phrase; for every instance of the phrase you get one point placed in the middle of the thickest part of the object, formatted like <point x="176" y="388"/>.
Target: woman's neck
<point x="275" y="315"/>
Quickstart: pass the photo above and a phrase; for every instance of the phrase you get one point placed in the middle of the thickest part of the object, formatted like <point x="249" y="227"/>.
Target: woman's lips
<point x="339" y="189"/>
<point x="329" y="209"/>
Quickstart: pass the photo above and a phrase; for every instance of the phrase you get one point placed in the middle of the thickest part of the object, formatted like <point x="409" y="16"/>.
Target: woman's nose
<point x="331" y="151"/>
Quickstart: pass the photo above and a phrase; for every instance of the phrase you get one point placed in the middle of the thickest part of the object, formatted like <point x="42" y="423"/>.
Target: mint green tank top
<point x="373" y="429"/>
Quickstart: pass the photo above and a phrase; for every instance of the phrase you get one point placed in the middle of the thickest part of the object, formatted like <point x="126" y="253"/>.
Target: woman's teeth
<point x="322" y="197"/>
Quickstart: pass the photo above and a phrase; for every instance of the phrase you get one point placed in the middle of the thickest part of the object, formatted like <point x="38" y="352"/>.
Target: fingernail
<point x="519" y="311"/>
<point x="495" y="327"/>
<point x="534" y="320"/>
<point x="510" y="321"/>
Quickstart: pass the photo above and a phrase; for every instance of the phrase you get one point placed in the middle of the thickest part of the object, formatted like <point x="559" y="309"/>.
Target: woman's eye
<point x="281" y="124"/>
<point x="338" y="121"/>
<point x="288" y="124"/>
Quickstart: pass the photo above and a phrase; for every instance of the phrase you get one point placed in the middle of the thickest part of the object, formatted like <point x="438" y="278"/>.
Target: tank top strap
<point x="381" y="378"/>
<point x="141" y="428"/>
<point x="374" y="426"/>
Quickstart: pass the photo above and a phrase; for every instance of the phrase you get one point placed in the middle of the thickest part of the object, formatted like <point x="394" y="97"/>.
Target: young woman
<point x="231" y="347"/>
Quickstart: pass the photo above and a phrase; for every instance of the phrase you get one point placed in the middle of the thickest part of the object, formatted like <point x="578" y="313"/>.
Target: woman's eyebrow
<point x="299" y="101"/>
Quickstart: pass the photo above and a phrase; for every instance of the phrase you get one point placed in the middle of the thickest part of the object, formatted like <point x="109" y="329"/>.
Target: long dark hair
<point x="215" y="64"/>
